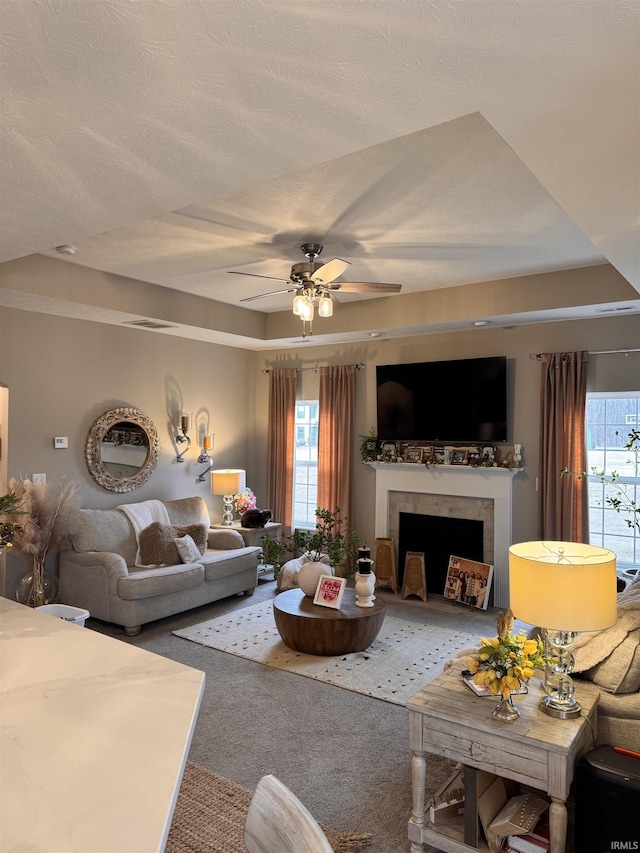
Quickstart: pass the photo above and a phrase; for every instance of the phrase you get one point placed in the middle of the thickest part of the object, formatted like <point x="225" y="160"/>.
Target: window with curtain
<point x="305" y="465"/>
<point x="609" y="419"/>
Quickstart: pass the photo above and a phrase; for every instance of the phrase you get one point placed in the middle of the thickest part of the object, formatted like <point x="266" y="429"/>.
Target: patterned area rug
<point x="210" y="814"/>
<point x="404" y="657"/>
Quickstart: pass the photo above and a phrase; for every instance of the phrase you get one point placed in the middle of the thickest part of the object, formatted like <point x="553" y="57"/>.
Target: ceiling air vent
<point x="617" y="310"/>
<point x="148" y="324"/>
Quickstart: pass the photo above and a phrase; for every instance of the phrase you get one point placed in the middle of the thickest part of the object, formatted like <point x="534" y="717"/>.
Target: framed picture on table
<point x="329" y="591"/>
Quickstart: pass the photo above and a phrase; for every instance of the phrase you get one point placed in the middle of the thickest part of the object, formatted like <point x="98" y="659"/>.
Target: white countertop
<point x="94" y="736"/>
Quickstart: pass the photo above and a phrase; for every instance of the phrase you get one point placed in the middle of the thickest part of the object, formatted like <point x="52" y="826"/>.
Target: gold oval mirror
<point x="122" y="449"/>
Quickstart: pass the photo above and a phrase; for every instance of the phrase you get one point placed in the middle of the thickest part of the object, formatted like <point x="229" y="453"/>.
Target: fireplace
<point x="482" y="494"/>
<point x="438" y="537"/>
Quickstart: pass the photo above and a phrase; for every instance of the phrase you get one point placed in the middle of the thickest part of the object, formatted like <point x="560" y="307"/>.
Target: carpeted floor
<point x="344" y="754"/>
<point x="210" y="815"/>
<point x="404" y="657"/>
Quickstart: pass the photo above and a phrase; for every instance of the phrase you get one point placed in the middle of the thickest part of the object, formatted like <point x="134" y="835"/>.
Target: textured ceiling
<point x="432" y="144"/>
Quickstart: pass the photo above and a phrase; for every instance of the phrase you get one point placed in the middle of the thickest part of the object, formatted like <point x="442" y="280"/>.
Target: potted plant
<point x="9" y="528"/>
<point x="272" y="553"/>
<point x="328" y="540"/>
<point x="369" y="446"/>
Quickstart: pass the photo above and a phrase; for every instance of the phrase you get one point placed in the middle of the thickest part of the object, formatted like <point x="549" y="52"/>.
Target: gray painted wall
<point x="63" y="373"/>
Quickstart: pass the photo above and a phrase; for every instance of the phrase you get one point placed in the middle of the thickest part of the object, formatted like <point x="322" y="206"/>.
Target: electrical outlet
<point x="39" y="478"/>
<point x="60" y="441"/>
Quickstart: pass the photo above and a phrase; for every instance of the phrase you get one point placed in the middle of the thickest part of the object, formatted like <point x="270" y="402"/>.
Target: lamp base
<point x="568" y="710"/>
<point x="227" y="515"/>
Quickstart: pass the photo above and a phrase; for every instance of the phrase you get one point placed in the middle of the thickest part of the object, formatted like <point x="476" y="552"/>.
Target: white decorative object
<point x="365" y="584"/>
<point x="310" y="573"/>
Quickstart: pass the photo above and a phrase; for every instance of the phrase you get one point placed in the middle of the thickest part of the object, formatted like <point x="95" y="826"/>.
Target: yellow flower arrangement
<point x="502" y="663"/>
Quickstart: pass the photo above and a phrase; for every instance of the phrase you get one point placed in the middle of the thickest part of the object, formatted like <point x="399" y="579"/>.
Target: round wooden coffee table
<point x="315" y="630"/>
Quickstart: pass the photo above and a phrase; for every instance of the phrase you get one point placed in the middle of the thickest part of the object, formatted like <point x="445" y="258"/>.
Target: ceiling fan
<point x="315" y="283"/>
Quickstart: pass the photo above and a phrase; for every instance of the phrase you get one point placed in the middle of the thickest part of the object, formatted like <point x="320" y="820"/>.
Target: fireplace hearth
<point x="477" y="494"/>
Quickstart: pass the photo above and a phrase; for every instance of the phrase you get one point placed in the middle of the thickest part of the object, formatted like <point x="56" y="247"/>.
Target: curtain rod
<point x="359" y="366"/>
<point x="538" y="355"/>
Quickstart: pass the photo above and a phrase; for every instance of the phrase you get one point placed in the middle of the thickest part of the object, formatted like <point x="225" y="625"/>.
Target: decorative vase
<point x="505" y="710"/>
<point x="310" y="573"/>
<point x="44" y="590"/>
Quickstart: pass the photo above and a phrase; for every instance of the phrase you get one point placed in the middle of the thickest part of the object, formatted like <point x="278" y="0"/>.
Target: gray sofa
<point x="98" y="572"/>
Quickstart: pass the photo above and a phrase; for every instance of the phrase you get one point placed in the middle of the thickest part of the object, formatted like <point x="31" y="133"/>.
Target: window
<point x="609" y="419"/>
<point x="305" y="464"/>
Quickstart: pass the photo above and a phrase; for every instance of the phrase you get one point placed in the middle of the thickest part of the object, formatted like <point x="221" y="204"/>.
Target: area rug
<point x="403" y="658"/>
<point x="210" y="814"/>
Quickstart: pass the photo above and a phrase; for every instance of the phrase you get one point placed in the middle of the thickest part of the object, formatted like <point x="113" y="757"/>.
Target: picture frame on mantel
<point x="413" y="454"/>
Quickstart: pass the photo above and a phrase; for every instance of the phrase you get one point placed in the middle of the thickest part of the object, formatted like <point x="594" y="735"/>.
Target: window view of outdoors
<point x="305" y="467"/>
<point x="609" y="420"/>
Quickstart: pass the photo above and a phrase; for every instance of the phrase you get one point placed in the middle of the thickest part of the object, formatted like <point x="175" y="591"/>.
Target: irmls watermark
<point x="625" y="845"/>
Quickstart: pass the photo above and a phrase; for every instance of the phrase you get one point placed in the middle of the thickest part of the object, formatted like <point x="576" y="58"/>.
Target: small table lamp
<point x="228" y="482"/>
<point x="564" y="588"/>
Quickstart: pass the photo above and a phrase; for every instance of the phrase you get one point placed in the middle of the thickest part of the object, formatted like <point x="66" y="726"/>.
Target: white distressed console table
<point x="94" y="736"/>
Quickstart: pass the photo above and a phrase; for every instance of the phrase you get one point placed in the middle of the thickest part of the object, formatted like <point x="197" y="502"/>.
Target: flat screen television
<point x="464" y="400"/>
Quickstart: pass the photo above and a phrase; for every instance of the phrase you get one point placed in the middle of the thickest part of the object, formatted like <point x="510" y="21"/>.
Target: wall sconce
<point x="228" y="482"/>
<point x="207" y="449"/>
<point x="182" y="437"/>
<point x="564" y="588"/>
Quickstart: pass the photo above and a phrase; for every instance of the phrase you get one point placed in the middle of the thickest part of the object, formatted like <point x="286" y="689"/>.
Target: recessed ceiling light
<point x="480" y="322"/>
<point x="66" y="249"/>
<point x="375" y="334"/>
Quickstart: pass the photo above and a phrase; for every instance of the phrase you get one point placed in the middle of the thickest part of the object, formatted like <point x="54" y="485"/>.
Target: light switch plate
<point x="39" y="478"/>
<point x="60" y="441"/>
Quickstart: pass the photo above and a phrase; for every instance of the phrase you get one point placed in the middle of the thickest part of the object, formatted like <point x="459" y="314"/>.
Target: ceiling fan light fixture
<point x="325" y="306"/>
<point x="307" y="310"/>
<point x="298" y="304"/>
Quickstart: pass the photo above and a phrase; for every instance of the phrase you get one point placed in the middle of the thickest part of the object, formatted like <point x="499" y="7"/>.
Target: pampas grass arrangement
<point x="41" y="530"/>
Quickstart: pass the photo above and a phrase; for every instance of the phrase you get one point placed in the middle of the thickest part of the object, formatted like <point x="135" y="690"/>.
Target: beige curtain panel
<point x="336" y="438"/>
<point x="563" y="500"/>
<point x="281" y="436"/>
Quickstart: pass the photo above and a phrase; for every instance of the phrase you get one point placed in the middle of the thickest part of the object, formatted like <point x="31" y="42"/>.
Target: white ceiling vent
<point x="617" y="310"/>
<point x="149" y="324"/>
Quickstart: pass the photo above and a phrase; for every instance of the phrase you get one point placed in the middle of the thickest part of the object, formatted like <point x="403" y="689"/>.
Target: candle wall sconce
<point x="205" y="455"/>
<point x="182" y="436"/>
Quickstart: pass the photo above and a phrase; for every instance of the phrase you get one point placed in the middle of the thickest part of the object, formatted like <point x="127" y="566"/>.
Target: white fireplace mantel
<point x="461" y="481"/>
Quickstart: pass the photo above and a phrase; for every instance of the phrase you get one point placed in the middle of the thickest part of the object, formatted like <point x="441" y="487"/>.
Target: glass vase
<point x="37" y="589"/>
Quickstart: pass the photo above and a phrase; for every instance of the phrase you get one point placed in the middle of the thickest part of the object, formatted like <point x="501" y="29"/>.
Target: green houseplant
<point x="9" y="510"/>
<point x="369" y="446"/>
<point x="328" y="539"/>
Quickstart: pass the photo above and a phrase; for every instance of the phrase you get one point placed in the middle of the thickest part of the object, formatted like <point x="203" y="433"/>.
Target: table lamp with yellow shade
<point x="228" y="482"/>
<point x="563" y="588"/>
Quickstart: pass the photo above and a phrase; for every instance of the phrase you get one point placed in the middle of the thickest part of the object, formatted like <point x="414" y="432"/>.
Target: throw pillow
<point x="157" y="545"/>
<point x="187" y="549"/>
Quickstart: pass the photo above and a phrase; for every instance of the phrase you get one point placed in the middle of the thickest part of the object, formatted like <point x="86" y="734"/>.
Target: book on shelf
<point x="535" y="841"/>
<point x="481" y="690"/>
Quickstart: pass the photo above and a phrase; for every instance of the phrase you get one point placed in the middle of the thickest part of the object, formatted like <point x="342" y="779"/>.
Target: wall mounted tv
<point x="447" y="401"/>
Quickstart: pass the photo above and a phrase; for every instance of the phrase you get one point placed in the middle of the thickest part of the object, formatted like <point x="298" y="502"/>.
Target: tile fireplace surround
<point x="457" y="492"/>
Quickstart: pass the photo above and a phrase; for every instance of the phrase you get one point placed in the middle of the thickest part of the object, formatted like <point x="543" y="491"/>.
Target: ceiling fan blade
<point x="270" y="293"/>
<point x="331" y="270"/>
<point x="366" y="287"/>
<point x="256" y="275"/>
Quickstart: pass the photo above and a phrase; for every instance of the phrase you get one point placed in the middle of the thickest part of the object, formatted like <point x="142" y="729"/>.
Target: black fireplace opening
<point x="438" y="537"/>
